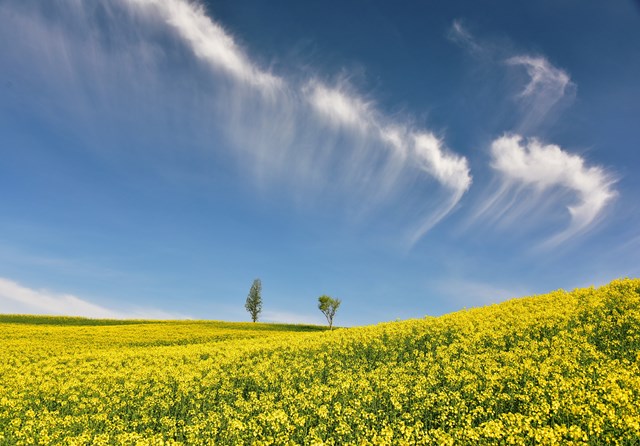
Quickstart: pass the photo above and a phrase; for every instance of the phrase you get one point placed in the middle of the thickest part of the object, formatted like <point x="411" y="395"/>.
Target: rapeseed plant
<point x="561" y="368"/>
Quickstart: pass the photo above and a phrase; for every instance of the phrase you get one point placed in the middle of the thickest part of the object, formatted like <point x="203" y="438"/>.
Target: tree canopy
<point x="254" y="300"/>
<point x="328" y="306"/>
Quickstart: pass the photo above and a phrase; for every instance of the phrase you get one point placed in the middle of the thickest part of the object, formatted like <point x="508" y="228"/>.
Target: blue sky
<point x="410" y="158"/>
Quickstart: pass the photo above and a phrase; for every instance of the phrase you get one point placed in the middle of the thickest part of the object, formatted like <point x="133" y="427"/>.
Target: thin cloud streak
<point x="361" y="152"/>
<point x="287" y="317"/>
<point x="320" y="144"/>
<point x="407" y="148"/>
<point x="547" y="84"/>
<point x="462" y="291"/>
<point x="546" y="172"/>
<point x="341" y="108"/>
<point x="459" y="34"/>
<point x="532" y="178"/>
<point x="547" y="90"/>
<point x="19" y="299"/>
<point x="548" y="87"/>
<point x="208" y="40"/>
<point x="175" y="71"/>
<point x="545" y="79"/>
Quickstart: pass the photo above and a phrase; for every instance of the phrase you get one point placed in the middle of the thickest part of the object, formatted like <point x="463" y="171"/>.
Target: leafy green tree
<point x="328" y="306"/>
<point x="254" y="300"/>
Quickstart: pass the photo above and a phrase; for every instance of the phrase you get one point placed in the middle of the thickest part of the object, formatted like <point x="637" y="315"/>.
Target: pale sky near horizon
<point x="410" y="158"/>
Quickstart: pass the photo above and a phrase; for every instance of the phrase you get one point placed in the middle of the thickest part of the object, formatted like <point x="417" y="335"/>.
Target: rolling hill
<point x="559" y="368"/>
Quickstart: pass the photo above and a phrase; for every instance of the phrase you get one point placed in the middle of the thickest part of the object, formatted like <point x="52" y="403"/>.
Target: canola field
<point x="561" y="368"/>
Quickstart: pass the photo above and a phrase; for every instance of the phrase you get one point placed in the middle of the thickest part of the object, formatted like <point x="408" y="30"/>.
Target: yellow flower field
<point x="561" y="368"/>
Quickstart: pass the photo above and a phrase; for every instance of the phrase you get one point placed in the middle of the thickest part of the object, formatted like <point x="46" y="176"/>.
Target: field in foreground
<point x="561" y="368"/>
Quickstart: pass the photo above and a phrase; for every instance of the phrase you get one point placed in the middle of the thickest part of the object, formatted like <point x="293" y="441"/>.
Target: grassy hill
<point x="560" y="368"/>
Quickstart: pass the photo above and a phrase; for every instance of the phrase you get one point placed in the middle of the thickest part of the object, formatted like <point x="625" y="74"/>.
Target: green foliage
<point x="66" y="320"/>
<point x="254" y="300"/>
<point x="328" y="306"/>
<point x="72" y="321"/>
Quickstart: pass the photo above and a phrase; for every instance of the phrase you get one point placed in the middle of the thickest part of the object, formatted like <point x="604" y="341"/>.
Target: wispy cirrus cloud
<point x="548" y="87"/>
<point x="460" y="35"/>
<point x="534" y="175"/>
<point x="406" y="148"/>
<point x="461" y="291"/>
<point x="292" y="110"/>
<point x="208" y="40"/>
<point x="167" y="71"/>
<point x="420" y="147"/>
<point x="545" y="79"/>
<point x="341" y="108"/>
<point x="19" y="299"/>
<point x="288" y="317"/>
<point x="535" y="179"/>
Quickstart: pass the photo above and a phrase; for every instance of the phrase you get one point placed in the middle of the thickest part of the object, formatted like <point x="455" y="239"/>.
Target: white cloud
<point x="459" y="34"/>
<point x="287" y="317"/>
<point x="469" y="293"/>
<point x="545" y="79"/>
<point x="115" y="74"/>
<point x="284" y="138"/>
<point x="549" y="172"/>
<point x="408" y="148"/>
<point x="452" y="171"/>
<point x="325" y="141"/>
<point x="424" y="149"/>
<point x="208" y="40"/>
<point x="18" y="299"/>
<point x="278" y="128"/>
<point x="340" y="108"/>
<point x="548" y="86"/>
<point x="535" y="178"/>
